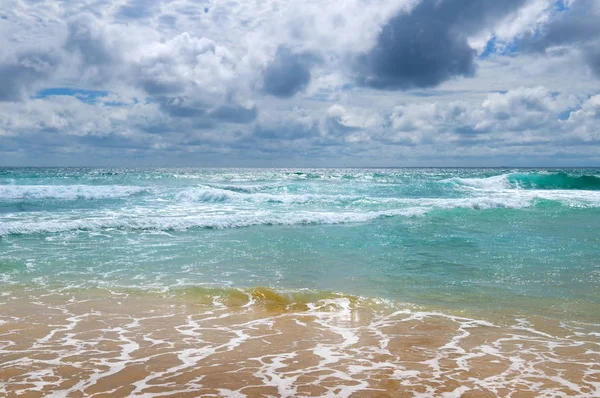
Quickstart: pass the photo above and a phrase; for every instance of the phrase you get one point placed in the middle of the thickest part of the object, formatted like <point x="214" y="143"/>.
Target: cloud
<point x="288" y="73"/>
<point x="287" y="125"/>
<point x="182" y="107"/>
<point x="592" y="57"/>
<point x="583" y="123"/>
<point x="280" y="82"/>
<point x="429" y="44"/>
<point x="291" y="130"/>
<point x="574" y="31"/>
<point x="528" y="122"/>
<point x="234" y="114"/>
<point x="352" y="124"/>
<point x="138" y="9"/>
<point x="86" y="38"/>
<point x="517" y="117"/>
<point x="94" y="50"/>
<point x="21" y="73"/>
<point x="188" y="113"/>
<point x="185" y="63"/>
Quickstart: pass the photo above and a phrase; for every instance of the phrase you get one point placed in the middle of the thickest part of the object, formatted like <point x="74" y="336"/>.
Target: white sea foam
<point x="200" y="340"/>
<point x="231" y="210"/>
<point x="67" y="192"/>
<point x="493" y="192"/>
<point x="182" y="222"/>
<point x="206" y="195"/>
<point x="494" y="183"/>
<point x="501" y="198"/>
<point x="215" y="195"/>
<point x="247" y="188"/>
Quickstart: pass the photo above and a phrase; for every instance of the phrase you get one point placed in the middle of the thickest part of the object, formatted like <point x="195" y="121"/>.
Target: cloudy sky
<point x="300" y="83"/>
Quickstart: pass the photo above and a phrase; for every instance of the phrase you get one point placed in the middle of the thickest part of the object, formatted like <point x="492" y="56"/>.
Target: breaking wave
<point x="541" y="181"/>
<point x="554" y="181"/>
<point x="180" y="223"/>
<point x="189" y="216"/>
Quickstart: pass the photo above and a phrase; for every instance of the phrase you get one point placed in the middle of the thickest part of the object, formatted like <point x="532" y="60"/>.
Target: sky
<point x="286" y="83"/>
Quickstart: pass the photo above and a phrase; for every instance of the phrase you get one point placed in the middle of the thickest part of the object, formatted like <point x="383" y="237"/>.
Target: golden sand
<point x="103" y="344"/>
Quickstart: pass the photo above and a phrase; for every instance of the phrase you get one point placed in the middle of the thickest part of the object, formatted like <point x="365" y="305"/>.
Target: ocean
<point x="300" y="282"/>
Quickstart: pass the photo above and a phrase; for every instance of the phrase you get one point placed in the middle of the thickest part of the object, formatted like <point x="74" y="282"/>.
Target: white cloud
<point x="188" y="78"/>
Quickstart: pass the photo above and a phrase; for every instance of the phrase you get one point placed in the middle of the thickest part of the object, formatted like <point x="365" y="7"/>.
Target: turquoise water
<point x="517" y="239"/>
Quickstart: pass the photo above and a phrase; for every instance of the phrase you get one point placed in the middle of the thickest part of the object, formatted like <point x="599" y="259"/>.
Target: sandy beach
<point x="260" y="343"/>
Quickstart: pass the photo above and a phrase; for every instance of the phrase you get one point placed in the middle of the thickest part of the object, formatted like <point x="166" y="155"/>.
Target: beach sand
<point x="256" y="343"/>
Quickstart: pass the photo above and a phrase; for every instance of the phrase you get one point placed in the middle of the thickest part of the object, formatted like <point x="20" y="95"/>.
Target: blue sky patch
<point x="87" y="96"/>
<point x="493" y="47"/>
<point x="561" y="6"/>
<point x="490" y="48"/>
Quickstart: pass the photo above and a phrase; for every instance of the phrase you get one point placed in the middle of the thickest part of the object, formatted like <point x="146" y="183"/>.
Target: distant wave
<point x="214" y="195"/>
<point x="174" y="223"/>
<point x="177" y="218"/>
<point x="555" y="181"/>
<point x="67" y="192"/>
<point x="503" y="197"/>
<point x="201" y="194"/>
<point x="243" y="188"/>
<point x="542" y="181"/>
<point x="219" y="206"/>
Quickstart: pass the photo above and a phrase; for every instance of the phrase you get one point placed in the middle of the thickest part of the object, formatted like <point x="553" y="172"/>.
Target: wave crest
<point x="181" y="223"/>
<point x="529" y="181"/>
<point x="554" y="181"/>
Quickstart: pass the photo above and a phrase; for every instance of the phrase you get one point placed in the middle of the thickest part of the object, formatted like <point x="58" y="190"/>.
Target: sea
<point x="350" y="282"/>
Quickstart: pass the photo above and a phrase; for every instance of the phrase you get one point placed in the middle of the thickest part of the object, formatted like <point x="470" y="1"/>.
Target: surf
<point x="533" y="181"/>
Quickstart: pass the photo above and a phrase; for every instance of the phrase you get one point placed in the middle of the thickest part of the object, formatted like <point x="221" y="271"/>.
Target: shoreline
<point x="470" y="282"/>
<point x="95" y="341"/>
<point x="291" y="299"/>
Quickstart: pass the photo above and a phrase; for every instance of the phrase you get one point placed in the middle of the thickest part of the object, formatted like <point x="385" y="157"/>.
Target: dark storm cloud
<point x="288" y="74"/>
<point x="429" y="45"/>
<point x="576" y="27"/>
<point x="19" y="76"/>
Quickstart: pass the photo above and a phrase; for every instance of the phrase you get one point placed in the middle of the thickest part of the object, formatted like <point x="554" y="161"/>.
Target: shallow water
<point x="260" y="343"/>
<point x="391" y="266"/>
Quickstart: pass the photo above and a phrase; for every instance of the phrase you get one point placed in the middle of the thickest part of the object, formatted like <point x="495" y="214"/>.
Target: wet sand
<point x="100" y="343"/>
